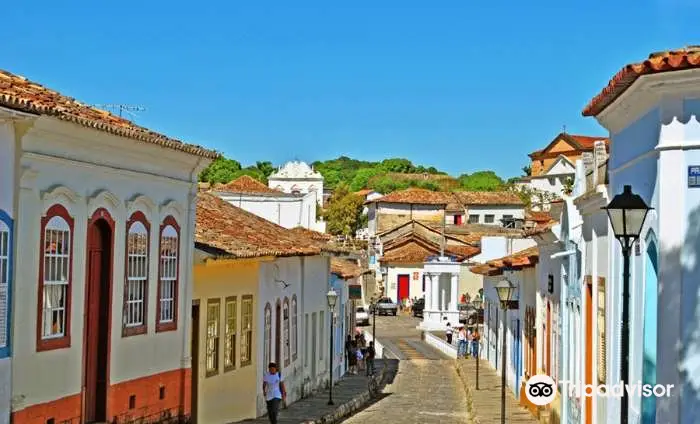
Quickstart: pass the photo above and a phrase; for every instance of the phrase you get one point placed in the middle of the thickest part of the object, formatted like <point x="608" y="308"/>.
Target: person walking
<point x="274" y="391"/>
<point x="475" y="343"/>
<point x="360" y="359"/>
<point x="461" y="343"/>
<point x="353" y="357"/>
<point x="371" y="353"/>
<point x="448" y="334"/>
<point x="348" y="347"/>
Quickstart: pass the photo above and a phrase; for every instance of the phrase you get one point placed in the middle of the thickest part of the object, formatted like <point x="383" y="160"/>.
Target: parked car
<point x="386" y="306"/>
<point x="418" y="307"/>
<point x="361" y="316"/>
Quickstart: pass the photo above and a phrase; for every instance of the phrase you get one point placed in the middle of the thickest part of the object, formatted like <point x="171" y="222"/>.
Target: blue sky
<point x="460" y="85"/>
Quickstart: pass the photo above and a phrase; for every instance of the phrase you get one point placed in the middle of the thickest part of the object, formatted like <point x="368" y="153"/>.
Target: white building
<point x="491" y="208"/>
<point x="104" y="203"/>
<point x="289" y="210"/>
<point x="298" y="178"/>
<point x="651" y="109"/>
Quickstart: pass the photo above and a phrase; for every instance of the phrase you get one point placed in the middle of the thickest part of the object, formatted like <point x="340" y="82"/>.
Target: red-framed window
<point x="136" y="275"/>
<point x="267" y="348"/>
<point x="168" y="275"/>
<point x="285" y="324"/>
<point x="55" y="276"/>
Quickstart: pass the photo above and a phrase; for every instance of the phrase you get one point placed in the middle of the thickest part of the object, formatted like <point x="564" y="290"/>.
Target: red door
<point x="458" y="220"/>
<point x="404" y="284"/>
<point x="98" y="302"/>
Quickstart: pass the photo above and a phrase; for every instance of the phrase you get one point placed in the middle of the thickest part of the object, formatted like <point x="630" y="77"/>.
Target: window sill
<point x="211" y="373"/>
<point x="43" y="345"/>
<point x="230" y="368"/>
<point x="134" y="331"/>
<point x="246" y="363"/>
<point x="166" y="326"/>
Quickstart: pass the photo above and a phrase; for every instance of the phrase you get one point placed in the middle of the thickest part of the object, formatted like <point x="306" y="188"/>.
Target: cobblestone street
<point x="426" y="388"/>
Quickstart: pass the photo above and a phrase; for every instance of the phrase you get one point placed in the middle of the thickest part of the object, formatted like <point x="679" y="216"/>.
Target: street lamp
<point x="373" y="304"/>
<point x="332" y="298"/>
<point x="505" y="290"/>
<point x="477" y="303"/>
<point x="627" y="212"/>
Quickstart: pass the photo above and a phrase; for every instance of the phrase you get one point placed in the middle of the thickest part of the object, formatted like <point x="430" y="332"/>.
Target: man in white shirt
<point x="274" y="391"/>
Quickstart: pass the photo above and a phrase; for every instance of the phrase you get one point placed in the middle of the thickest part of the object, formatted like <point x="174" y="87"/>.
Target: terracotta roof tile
<point x="488" y="198"/>
<point x="522" y="259"/>
<point x="363" y="192"/>
<point x="414" y="249"/>
<point x="21" y="94"/>
<point x="674" y="60"/>
<point x="246" y="184"/>
<point x="311" y="234"/>
<point x="236" y="233"/>
<point x="346" y="269"/>
<point x="414" y="195"/>
<point x="538" y="216"/>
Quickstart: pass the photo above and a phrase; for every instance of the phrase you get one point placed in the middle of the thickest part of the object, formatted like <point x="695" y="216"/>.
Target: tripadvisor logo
<point x="540" y="389"/>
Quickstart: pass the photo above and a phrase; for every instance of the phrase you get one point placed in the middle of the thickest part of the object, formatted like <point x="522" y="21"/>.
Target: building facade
<point x="106" y="247"/>
<point x="650" y="109"/>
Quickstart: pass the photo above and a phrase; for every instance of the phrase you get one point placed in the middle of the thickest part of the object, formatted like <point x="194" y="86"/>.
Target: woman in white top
<point x="274" y="391"/>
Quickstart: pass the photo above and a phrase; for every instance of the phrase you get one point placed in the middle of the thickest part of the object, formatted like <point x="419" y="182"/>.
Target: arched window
<point x="168" y="271"/>
<point x="268" y="334"/>
<point x="285" y="330"/>
<point x="5" y="281"/>
<point x="295" y="333"/>
<point x="55" y="275"/>
<point x="136" y="281"/>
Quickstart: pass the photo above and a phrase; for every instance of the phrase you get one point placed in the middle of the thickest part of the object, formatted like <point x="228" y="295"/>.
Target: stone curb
<point x="350" y="406"/>
<point x="467" y="388"/>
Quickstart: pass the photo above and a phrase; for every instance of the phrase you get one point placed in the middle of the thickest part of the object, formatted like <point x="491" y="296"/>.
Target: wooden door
<point x="589" y="348"/>
<point x="403" y="287"/>
<point x="195" y="361"/>
<point x="97" y="318"/>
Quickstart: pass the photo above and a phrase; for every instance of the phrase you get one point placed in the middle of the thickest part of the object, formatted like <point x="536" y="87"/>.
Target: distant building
<point x="488" y="207"/>
<point x="552" y="169"/>
<point x="298" y="178"/>
<point x="288" y="210"/>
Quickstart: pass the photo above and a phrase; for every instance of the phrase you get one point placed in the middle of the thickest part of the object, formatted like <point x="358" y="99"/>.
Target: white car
<point x="361" y="316"/>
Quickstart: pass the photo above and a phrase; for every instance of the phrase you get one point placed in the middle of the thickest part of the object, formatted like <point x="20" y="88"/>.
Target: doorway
<point x="97" y="317"/>
<point x="548" y="338"/>
<point x="403" y="287"/>
<point x="195" y="361"/>
<point x="589" y="347"/>
<point x="651" y="293"/>
<point x="278" y="334"/>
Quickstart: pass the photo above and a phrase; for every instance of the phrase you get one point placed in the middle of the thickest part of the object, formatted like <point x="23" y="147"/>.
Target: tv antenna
<point x="130" y="109"/>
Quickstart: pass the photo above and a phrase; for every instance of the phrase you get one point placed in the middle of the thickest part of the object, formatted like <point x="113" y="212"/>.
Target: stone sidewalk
<point x="350" y="394"/>
<point x="485" y="403"/>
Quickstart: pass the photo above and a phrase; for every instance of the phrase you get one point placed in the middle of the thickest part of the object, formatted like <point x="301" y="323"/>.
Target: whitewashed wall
<point x="498" y="211"/>
<point x="415" y="286"/>
<point x="316" y="285"/>
<point x="286" y="211"/>
<point x="85" y="170"/>
<point x="313" y="187"/>
<point x="7" y="208"/>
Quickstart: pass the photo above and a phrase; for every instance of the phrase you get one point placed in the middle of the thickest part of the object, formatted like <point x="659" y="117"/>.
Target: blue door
<point x="516" y="356"/>
<point x="650" y="320"/>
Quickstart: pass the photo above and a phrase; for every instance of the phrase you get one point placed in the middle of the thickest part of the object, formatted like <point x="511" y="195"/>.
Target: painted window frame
<point x="6" y="349"/>
<point x="489" y="218"/>
<point x="473" y="218"/>
<point x="286" y="348"/>
<point x="52" y="343"/>
<point x="230" y="333"/>
<point x="267" y="341"/>
<point x="295" y="328"/>
<point x="247" y="340"/>
<point x="212" y="339"/>
<point x="168" y="325"/>
<point x="133" y="330"/>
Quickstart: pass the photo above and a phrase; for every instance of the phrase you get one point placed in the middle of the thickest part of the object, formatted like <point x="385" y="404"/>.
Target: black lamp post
<point x="477" y="303"/>
<point x="505" y="290"/>
<point x="332" y="298"/>
<point x="374" y="321"/>
<point x="627" y="212"/>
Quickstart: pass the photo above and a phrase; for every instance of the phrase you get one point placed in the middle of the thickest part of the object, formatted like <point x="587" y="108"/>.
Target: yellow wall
<point x="229" y="395"/>
<point x="561" y="147"/>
